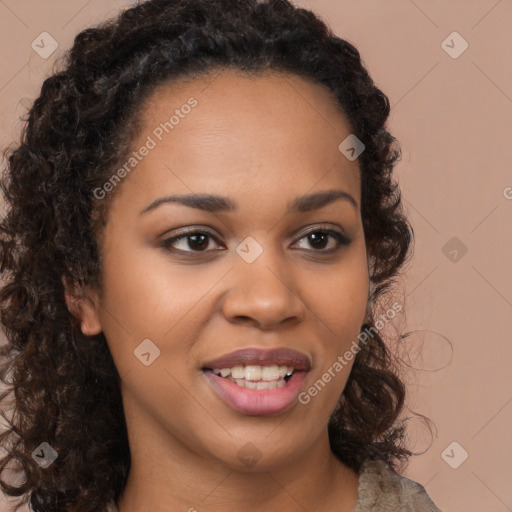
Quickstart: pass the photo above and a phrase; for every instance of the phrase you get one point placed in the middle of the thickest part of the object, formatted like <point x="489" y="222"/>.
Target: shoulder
<point x="381" y="489"/>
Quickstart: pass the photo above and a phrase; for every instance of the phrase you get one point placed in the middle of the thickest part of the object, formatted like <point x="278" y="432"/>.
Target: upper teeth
<point x="255" y="372"/>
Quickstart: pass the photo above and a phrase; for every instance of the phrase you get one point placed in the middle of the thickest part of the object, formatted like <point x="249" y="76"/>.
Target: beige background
<point x="453" y="118"/>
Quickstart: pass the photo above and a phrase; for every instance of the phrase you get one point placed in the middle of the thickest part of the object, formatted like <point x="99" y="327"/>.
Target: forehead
<point x="270" y="100"/>
<point x="252" y="134"/>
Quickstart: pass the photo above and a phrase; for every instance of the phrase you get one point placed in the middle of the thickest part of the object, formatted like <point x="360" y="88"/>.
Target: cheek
<point x="146" y="290"/>
<point x="146" y="299"/>
<point x="342" y="301"/>
<point x="340" y="308"/>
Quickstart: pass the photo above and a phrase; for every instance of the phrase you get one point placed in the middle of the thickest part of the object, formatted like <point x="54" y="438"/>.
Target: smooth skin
<point x="261" y="141"/>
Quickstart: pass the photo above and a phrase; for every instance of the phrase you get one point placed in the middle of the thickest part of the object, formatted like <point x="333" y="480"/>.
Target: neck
<point x="165" y="476"/>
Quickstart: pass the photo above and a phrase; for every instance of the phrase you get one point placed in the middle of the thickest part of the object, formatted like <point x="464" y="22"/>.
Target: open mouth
<point x="256" y="381"/>
<point x="256" y="376"/>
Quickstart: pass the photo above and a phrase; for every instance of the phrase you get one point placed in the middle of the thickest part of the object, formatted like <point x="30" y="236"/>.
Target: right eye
<point x="195" y="241"/>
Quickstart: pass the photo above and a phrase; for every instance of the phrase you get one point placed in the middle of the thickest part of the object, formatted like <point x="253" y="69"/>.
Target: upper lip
<point x="262" y="357"/>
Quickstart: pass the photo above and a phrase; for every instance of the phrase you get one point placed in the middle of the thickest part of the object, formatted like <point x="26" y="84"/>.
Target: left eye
<point x="318" y="238"/>
<point x="198" y="241"/>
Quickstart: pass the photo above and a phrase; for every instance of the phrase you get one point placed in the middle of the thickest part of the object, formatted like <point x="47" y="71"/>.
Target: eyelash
<point x="341" y="239"/>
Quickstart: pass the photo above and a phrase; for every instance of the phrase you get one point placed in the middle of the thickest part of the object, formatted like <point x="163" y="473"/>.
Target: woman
<point x="202" y="226"/>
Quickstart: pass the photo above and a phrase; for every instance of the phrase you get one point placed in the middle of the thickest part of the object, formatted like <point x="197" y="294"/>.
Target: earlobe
<point x="83" y="307"/>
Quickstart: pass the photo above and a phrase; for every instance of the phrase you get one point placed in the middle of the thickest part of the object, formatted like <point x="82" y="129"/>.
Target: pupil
<point x="198" y="245"/>
<point x="316" y="237"/>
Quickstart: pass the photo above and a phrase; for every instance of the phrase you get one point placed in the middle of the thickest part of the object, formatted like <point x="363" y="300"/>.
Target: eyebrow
<point x="215" y="203"/>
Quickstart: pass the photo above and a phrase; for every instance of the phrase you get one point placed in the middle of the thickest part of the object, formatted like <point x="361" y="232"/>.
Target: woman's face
<point x="259" y="275"/>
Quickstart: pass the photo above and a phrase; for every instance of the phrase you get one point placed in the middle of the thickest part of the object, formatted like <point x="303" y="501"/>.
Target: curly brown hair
<point x="66" y="386"/>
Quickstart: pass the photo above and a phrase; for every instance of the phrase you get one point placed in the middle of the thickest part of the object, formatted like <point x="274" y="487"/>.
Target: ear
<point x="84" y="306"/>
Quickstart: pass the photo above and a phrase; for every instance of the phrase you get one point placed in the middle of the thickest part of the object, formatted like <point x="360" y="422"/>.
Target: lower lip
<point x="257" y="402"/>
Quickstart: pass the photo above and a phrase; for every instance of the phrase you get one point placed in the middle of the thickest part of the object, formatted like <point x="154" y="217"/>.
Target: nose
<point x="263" y="293"/>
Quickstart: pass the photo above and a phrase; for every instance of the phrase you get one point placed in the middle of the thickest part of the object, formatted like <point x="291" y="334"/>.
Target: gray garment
<point x="382" y="490"/>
